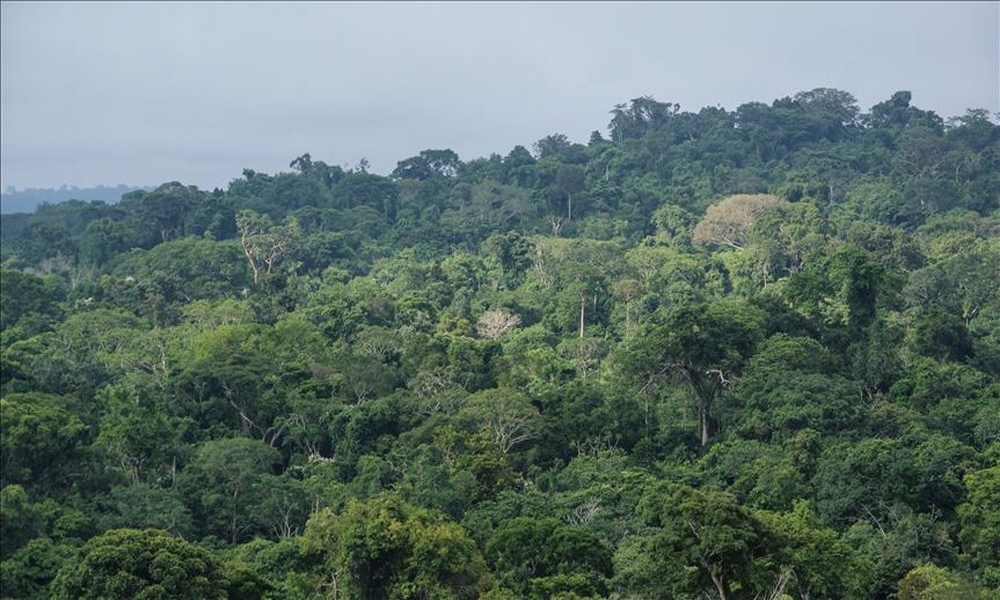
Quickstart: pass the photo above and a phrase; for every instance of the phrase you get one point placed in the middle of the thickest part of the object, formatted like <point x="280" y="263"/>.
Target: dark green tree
<point x="140" y="563"/>
<point x="702" y="542"/>
<point x="537" y="557"/>
<point x="225" y="485"/>
<point x="705" y="345"/>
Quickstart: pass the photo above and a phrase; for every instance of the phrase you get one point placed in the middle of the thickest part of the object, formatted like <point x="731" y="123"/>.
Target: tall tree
<point x="704" y="345"/>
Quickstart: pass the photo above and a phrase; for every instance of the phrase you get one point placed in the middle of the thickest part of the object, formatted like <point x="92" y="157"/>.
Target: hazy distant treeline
<point x="28" y="199"/>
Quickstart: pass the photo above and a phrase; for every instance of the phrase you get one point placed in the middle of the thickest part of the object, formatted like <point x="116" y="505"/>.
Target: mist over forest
<point x="716" y="354"/>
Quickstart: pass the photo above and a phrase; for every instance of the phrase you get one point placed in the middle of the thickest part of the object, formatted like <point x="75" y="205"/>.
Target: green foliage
<point x="226" y="483"/>
<point x="930" y="582"/>
<point x="28" y="572"/>
<point x="787" y="388"/>
<point x="748" y="353"/>
<point x="387" y="548"/>
<point x="701" y="541"/>
<point x="141" y="506"/>
<point x="704" y="345"/>
<point x="38" y="524"/>
<point x="39" y="440"/>
<point x="815" y="556"/>
<point x="29" y="304"/>
<point x="864" y="479"/>
<point x="538" y="557"/>
<point x="133" y="563"/>
<point x="980" y="533"/>
<point x="504" y="417"/>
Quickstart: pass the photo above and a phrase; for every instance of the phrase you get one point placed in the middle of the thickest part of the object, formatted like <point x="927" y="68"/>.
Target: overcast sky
<point x="143" y="93"/>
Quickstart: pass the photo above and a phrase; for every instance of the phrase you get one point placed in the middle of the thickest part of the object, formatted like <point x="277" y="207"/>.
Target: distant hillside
<point x="27" y="200"/>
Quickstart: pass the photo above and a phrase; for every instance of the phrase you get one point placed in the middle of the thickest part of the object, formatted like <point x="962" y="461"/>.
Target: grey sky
<point x="142" y="93"/>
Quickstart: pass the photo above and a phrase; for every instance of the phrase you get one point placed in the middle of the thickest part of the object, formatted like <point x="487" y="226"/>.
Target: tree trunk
<point x="628" y="320"/>
<point x="720" y="585"/>
<point x="704" y="425"/>
<point x="582" y="304"/>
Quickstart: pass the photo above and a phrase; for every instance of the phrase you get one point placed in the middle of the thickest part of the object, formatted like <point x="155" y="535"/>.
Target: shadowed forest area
<point x="749" y="354"/>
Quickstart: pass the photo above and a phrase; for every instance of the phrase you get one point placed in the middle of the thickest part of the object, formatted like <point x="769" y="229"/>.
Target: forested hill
<point x="724" y="354"/>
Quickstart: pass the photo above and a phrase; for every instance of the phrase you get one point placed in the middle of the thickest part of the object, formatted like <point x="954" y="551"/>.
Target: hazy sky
<point x="143" y="93"/>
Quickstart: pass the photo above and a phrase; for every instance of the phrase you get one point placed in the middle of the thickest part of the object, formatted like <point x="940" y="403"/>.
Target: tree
<point x="428" y="164"/>
<point x="302" y="164"/>
<point x="103" y="240"/>
<point x="244" y="374"/>
<point x="570" y="179"/>
<point x="730" y="221"/>
<point x="473" y="211"/>
<point x="845" y="290"/>
<point x="493" y="324"/>
<point x="980" y="522"/>
<point x="760" y="126"/>
<point x="788" y="237"/>
<point x="143" y="506"/>
<point x="226" y="483"/>
<point x="165" y="209"/>
<point x="836" y="110"/>
<point x="777" y="406"/>
<point x="627" y="290"/>
<point x="39" y="438"/>
<point x="518" y="168"/>
<point x="385" y="547"/>
<point x="790" y="384"/>
<point x="864" y="480"/>
<point x="514" y="251"/>
<point x="702" y="540"/>
<point x="639" y="117"/>
<point x="364" y="377"/>
<point x="28" y="572"/>
<point x="814" y="556"/>
<point x="552" y="145"/>
<point x="362" y="189"/>
<point x="137" y="439"/>
<point x="943" y="336"/>
<point x="896" y="113"/>
<point x="535" y="557"/>
<point x="27" y="296"/>
<point x="140" y="564"/>
<point x="959" y="282"/>
<point x="177" y="272"/>
<point x="506" y="417"/>
<point x="927" y="582"/>
<point x="931" y="582"/>
<point x="264" y="243"/>
<point x="862" y="281"/>
<point x="705" y="345"/>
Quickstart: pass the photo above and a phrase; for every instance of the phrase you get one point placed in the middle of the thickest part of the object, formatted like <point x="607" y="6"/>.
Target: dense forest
<point x="749" y="354"/>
